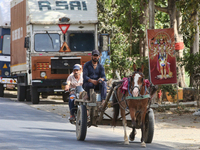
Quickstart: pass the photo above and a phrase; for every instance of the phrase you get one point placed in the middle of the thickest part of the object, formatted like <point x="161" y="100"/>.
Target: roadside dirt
<point x="171" y="128"/>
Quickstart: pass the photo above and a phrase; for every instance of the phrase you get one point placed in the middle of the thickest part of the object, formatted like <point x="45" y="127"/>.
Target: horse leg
<point x="124" y="125"/>
<point x="143" y="144"/>
<point x="133" y="118"/>
<point x="133" y="133"/>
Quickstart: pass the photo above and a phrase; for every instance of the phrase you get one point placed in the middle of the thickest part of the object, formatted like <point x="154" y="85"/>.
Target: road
<point x="23" y="127"/>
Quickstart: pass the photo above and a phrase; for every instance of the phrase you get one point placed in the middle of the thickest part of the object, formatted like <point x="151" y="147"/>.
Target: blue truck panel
<point x="5" y="77"/>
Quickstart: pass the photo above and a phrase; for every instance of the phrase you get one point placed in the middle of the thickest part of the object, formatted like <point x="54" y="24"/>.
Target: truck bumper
<point x="49" y="85"/>
<point x="8" y="81"/>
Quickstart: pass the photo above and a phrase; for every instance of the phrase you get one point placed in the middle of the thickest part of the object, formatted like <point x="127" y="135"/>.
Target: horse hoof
<point x="131" y="138"/>
<point x="143" y="144"/>
<point x="126" y="142"/>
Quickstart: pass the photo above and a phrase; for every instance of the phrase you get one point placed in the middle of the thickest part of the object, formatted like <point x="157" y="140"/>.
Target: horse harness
<point x="130" y="96"/>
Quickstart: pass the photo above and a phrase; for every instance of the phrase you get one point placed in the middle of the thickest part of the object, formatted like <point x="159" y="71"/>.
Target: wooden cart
<point x="96" y="117"/>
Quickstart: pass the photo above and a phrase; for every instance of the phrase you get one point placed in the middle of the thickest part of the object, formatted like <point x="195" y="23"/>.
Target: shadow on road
<point x="48" y="129"/>
<point x="49" y="100"/>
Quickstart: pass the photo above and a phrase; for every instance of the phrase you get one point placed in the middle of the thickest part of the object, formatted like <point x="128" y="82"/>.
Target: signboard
<point x="64" y="27"/>
<point x="162" y="60"/>
<point x="49" y="11"/>
<point x="65" y="48"/>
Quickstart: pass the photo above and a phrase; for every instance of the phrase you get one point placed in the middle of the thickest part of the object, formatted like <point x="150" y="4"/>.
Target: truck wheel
<point x="65" y="97"/>
<point x="44" y="95"/>
<point x="28" y="94"/>
<point x="34" y="95"/>
<point x="149" y="126"/>
<point x="81" y="123"/>
<point x="21" y="93"/>
<point x="1" y="90"/>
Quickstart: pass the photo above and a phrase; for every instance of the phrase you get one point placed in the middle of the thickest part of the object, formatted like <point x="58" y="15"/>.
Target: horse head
<point x="137" y="81"/>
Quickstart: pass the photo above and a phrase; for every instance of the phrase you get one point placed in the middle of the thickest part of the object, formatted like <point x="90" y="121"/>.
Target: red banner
<point x="162" y="60"/>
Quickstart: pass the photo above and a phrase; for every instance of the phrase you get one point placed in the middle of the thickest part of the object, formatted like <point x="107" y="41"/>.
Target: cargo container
<point x="48" y="38"/>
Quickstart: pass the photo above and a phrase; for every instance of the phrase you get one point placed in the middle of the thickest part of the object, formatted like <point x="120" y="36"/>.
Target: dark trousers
<point x="102" y="87"/>
<point x="72" y="107"/>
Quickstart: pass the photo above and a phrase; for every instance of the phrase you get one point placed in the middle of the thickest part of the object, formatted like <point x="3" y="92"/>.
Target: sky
<point x="4" y="12"/>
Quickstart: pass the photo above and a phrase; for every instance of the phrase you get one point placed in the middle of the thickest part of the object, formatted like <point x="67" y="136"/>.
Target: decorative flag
<point x="162" y="60"/>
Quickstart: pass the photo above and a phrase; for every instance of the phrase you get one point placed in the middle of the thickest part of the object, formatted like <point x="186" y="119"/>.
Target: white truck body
<point x="57" y="31"/>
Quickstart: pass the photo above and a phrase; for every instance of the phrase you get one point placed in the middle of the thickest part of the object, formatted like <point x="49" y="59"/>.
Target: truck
<point x="6" y="80"/>
<point x="48" y="37"/>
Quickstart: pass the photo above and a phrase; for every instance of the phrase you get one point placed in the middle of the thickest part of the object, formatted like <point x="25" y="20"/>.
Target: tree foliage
<point x="117" y="17"/>
<point x="188" y="27"/>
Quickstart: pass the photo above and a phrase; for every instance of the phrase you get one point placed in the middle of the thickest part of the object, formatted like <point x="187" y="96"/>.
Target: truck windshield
<point x="47" y="42"/>
<point x="81" y="41"/>
<point x="6" y="44"/>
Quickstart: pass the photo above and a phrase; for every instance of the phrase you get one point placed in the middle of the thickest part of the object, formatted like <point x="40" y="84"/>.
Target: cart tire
<point x="1" y="90"/>
<point x="35" y="95"/>
<point x="149" y="126"/>
<point x="81" y="123"/>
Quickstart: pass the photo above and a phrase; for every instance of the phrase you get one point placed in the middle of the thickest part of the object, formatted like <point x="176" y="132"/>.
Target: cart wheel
<point x="149" y="126"/>
<point x="81" y="123"/>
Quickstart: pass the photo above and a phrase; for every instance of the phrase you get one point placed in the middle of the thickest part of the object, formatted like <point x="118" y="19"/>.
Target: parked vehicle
<point x="6" y="80"/>
<point x="48" y="39"/>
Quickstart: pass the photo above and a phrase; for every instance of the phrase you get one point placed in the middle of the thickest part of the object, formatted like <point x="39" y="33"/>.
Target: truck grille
<point x="63" y="66"/>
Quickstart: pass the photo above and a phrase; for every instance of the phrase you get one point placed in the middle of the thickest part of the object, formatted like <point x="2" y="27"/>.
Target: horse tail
<point x="115" y="108"/>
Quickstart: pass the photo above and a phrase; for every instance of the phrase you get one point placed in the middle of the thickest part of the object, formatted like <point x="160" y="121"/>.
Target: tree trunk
<point x="179" y="38"/>
<point x="131" y="29"/>
<point x="146" y="16"/>
<point x="175" y="21"/>
<point x="196" y="37"/>
<point x="143" y="21"/>
<point x="151" y="14"/>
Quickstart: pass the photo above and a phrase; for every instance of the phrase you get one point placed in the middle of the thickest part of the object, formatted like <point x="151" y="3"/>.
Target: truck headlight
<point x="6" y="73"/>
<point x="43" y="74"/>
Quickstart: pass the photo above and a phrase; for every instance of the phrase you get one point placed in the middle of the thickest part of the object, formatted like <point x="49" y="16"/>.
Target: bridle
<point x="130" y="87"/>
<point x="130" y="90"/>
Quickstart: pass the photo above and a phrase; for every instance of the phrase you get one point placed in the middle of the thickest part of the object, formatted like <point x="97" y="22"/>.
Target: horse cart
<point x="89" y="114"/>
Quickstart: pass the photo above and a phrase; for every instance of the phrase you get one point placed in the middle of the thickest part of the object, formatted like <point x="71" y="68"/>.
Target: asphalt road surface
<point x="25" y="128"/>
